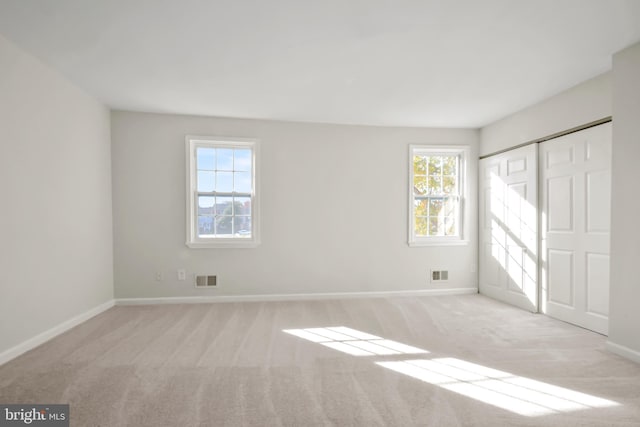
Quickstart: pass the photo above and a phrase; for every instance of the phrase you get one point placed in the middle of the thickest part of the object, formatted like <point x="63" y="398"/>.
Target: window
<point x="222" y="201"/>
<point x="436" y="195"/>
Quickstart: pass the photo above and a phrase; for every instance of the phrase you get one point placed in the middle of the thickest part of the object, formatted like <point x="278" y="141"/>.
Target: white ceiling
<point x="446" y="63"/>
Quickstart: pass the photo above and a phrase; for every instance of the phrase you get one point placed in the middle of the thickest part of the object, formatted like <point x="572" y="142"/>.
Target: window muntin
<point x="222" y="204"/>
<point x="436" y="194"/>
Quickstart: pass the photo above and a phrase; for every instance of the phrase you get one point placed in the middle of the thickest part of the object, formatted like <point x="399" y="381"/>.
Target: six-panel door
<point x="575" y="189"/>
<point x="509" y="227"/>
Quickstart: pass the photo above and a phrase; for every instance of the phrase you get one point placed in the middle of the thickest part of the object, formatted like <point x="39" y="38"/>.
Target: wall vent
<point x="439" y="275"/>
<point x="206" y="281"/>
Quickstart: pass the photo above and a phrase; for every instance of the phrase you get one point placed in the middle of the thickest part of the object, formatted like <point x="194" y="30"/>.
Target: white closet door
<point x="509" y="227"/>
<point x="575" y="174"/>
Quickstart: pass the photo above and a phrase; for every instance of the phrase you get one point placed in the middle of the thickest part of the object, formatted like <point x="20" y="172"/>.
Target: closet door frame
<point x="492" y="264"/>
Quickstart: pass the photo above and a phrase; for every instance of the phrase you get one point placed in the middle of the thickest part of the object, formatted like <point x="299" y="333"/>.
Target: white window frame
<point x="193" y="241"/>
<point x="463" y="225"/>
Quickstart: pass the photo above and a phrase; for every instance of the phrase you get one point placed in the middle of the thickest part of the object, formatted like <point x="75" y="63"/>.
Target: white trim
<point x="192" y="241"/>
<point x="623" y="351"/>
<point x="293" y="297"/>
<point x="45" y="336"/>
<point x="221" y="243"/>
<point x="450" y="242"/>
<point x="465" y="152"/>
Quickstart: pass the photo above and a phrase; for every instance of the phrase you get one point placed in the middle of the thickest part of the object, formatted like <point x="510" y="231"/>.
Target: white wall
<point x="334" y="210"/>
<point x="581" y="104"/>
<point x="55" y="184"/>
<point x="624" y="320"/>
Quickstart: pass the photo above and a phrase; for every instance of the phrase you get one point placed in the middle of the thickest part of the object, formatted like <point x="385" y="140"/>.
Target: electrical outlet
<point x="473" y="268"/>
<point x="159" y="276"/>
<point x="182" y="274"/>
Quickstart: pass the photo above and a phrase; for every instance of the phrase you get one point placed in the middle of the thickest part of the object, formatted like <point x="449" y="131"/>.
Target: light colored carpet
<point x="231" y="364"/>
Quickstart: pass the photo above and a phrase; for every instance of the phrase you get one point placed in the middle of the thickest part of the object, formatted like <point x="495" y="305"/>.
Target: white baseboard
<point x="292" y="297"/>
<point x="623" y="351"/>
<point x="45" y="336"/>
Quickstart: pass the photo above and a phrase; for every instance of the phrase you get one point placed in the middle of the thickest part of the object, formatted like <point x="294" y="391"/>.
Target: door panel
<point x="598" y="201"/>
<point x="560" y="270"/>
<point x="560" y="203"/>
<point x="597" y="273"/>
<point x="509" y="227"/>
<point x="575" y="183"/>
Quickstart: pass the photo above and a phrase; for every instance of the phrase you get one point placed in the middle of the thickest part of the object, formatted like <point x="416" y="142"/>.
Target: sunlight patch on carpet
<point x="513" y="393"/>
<point x="353" y="342"/>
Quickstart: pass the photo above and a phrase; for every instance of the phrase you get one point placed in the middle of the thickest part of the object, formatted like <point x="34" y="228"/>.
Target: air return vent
<point x="439" y="275"/>
<point x="205" y="281"/>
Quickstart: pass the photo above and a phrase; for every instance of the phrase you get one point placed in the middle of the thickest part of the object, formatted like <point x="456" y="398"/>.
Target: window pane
<point x="435" y="185"/>
<point x="206" y="158"/>
<point x="224" y="182"/>
<point x="436" y="226"/>
<point x="435" y="167"/>
<point x="225" y="159"/>
<point x="242" y="226"/>
<point x="436" y="178"/>
<point x="419" y="165"/>
<point x="419" y="184"/>
<point x="242" y="182"/>
<point x="450" y="226"/>
<point x="224" y="226"/>
<point x="242" y="160"/>
<point x="205" y="226"/>
<point x="435" y="207"/>
<point x="449" y="165"/>
<point x="206" y="205"/>
<point x="242" y="206"/>
<point x="221" y="178"/>
<point x="421" y="226"/>
<point x="450" y="206"/>
<point x="420" y="208"/>
<point x="224" y="206"/>
<point x="206" y="181"/>
<point x="449" y="185"/>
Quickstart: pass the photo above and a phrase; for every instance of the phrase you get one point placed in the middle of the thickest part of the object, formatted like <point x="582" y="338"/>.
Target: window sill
<point x="438" y="243"/>
<point x="234" y="244"/>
